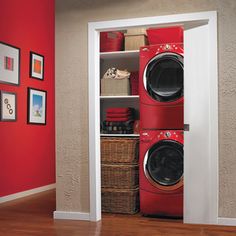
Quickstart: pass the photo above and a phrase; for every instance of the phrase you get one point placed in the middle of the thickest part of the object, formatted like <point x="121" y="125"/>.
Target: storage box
<point x="120" y="201"/>
<point x="119" y="150"/>
<point x="136" y="31"/>
<point x="135" y="41"/>
<point x="112" y="87"/>
<point x="134" y="82"/>
<point x="111" y="41"/>
<point x="165" y="35"/>
<point x="120" y="176"/>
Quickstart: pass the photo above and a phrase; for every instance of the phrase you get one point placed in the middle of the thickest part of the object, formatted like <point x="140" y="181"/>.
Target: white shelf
<point x="120" y="54"/>
<point x="119" y="135"/>
<point x="120" y="97"/>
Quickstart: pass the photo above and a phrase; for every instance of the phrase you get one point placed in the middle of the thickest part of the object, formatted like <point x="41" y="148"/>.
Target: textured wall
<point x="72" y="17"/>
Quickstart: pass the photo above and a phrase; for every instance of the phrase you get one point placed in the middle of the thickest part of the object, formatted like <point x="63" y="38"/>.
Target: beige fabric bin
<point x="135" y="41"/>
<point x="114" y="87"/>
<point x="133" y="31"/>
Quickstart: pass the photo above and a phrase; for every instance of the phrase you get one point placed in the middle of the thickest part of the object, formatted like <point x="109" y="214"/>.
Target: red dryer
<point x="161" y="172"/>
<point x="161" y="86"/>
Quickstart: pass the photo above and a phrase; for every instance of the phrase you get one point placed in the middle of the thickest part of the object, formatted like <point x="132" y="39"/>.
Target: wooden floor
<point x="33" y="216"/>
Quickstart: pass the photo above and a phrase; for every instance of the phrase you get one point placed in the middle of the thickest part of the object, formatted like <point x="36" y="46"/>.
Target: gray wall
<point x="72" y="17"/>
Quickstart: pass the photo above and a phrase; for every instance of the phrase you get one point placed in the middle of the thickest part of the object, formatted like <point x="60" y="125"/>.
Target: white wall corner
<point x="15" y="196"/>
<point x="69" y="215"/>
<point x="227" y="221"/>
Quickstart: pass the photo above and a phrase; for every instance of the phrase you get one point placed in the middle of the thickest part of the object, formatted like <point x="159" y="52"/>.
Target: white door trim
<point x="190" y="20"/>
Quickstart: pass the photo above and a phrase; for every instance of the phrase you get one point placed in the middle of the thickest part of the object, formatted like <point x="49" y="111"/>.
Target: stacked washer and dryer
<point x="161" y="122"/>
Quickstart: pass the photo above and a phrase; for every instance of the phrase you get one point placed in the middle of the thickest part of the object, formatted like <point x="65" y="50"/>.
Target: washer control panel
<point x="149" y="136"/>
<point x="145" y="137"/>
<point x="167" y="135"/>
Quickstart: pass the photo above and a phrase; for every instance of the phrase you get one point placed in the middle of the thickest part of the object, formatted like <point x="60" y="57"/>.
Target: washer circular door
<point x="163" y="77"/>
<point x="163" y="165"/>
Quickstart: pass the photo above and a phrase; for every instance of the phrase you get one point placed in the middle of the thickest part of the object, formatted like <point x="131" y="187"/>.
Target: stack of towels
<point x="119" y="120"/>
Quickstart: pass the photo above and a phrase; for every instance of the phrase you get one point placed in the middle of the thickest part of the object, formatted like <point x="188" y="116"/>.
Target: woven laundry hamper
<point x="124" y="201"/>
<point x="119" y="150"/>
<point x="120" y="176"/>
<point x="114" y="87"/>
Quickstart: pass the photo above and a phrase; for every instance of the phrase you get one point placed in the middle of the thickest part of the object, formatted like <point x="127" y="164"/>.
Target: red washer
<point x="161" y="86"/>
<point x="161" y="172"/>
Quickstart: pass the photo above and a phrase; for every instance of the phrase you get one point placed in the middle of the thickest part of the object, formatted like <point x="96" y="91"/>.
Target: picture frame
<point x="9" y="64"/>
<point x="8" y="107"/>
<point x="37" y="106"/>
<point x="36" y="66"/>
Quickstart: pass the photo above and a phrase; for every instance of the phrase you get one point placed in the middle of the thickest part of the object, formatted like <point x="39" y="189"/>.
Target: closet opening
<point x="158" y="113"/>
<point x="141" y="71"/>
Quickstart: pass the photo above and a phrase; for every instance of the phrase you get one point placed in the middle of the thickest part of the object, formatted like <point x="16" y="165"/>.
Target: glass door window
<point x="164" y="163"/>
<point x="164" y="77"/>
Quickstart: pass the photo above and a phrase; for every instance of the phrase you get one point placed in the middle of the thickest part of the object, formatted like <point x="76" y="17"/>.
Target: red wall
<point x="27" y="152"/>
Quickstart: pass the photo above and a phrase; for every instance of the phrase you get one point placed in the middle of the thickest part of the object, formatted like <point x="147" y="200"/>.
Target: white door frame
<point x="188" y="21"/>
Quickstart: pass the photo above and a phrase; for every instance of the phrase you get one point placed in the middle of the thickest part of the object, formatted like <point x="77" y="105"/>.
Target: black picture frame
<point x="6" y="108"/>
<point x="32" y="73"/>
<point x="17" y="71"/>
<point x="36" y="117"/>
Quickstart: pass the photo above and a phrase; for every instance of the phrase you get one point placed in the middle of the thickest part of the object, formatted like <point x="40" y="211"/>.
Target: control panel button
<point x="167" y="134"/>
<point x="167" y="46"/>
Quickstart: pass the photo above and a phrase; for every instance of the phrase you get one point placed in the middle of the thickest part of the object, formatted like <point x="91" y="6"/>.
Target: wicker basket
<point x="120" y="176"/>
<point x="120" y="201"/>
<point x="119" y="150"/>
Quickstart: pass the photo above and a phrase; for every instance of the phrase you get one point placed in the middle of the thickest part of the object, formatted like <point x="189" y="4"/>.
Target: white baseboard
<point x="69" y="215"/>
<point x="227" y="221"/>
<point x="15" y="196"/>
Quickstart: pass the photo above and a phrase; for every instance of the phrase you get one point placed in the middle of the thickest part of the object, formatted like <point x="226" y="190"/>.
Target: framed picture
<point x="36" y="66"/>
<point x="37" y="101"/>
<point x="8" y="106"/>
<point x="9" y="64"/>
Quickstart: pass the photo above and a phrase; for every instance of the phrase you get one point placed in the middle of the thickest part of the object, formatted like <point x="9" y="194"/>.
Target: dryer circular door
<point x="163" y="165"/>
<point x="163" y="77"/>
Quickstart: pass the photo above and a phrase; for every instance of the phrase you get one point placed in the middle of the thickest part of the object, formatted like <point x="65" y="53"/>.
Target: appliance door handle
<point x="186" y="127"/>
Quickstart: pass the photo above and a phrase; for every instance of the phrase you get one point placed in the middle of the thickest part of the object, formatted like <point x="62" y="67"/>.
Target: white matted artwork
<point x="9" y="64"/>
<point x="37" y="100"/>
<point x="36" y="66"/>
<point x="8" y="106"/>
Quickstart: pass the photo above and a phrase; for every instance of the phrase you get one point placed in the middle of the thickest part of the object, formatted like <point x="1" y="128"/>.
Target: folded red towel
<point x="118" y="115"/>
<point x="118" y="119"/>
<point x="118" y="110"/>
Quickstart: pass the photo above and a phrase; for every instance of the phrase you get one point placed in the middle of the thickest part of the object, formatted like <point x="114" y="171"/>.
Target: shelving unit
<point x="121" y="149"/>
<point x="128" y="60"/>
<point x="129" y="97"/>
<point x="120" y="135"/>
<point x="119" y="54"/>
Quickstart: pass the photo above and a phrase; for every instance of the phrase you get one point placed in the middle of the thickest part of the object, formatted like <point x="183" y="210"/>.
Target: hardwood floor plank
<point x="34" y="216"/>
